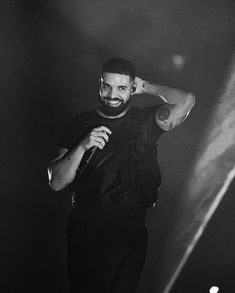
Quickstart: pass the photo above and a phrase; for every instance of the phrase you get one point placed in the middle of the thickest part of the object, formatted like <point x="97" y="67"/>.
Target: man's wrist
<point x="80" y="148"/>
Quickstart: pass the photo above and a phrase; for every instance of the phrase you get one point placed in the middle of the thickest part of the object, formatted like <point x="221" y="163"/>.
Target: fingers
<point x="100" y="134"/>
<point x="140" y="85"/>
<point x="97" y="137"/>
<point x="103" y="129"/>
<point x="98" y="141"/>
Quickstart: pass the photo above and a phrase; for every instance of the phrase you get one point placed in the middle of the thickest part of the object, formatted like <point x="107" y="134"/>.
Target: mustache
<point x="112" y="99"/>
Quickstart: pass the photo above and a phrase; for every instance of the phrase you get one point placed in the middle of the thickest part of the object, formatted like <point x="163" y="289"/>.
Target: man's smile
<point x="113" y="102"/>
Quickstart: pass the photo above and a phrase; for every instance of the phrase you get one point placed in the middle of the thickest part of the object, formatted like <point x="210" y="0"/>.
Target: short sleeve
<point x="155" y="130"/>
<point x="71" y="133"/>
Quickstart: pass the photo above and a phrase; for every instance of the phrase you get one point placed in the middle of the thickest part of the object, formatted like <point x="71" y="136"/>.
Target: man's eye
<point x="122" y="88"/>
<point x="105" y="85"/>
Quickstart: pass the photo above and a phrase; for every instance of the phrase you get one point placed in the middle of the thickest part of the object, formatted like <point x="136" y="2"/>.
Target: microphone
<point x="92" y="152"/>
<point x="85" y="161"/>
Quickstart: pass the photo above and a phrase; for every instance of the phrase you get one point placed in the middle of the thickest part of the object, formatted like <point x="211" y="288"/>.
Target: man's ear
<point x="133" y="89"/>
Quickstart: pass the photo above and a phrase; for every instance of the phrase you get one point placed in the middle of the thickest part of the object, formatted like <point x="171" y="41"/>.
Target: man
<point x="108" y="159"/>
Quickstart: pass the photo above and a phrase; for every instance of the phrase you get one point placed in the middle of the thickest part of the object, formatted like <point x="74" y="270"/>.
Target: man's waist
<point x="119" y="212"/>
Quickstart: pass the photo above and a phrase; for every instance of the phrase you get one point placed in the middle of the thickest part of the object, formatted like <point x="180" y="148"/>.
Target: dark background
<point x="50" y="57"/>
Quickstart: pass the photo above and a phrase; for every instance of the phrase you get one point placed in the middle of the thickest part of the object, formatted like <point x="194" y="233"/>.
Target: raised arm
<point x="177" y="107"/>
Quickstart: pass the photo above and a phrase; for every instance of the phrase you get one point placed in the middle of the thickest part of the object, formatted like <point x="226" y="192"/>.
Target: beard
<point x="113" y="110"/>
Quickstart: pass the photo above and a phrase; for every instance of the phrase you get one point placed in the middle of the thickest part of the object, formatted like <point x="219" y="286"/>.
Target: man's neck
<point x="112" y="117"/>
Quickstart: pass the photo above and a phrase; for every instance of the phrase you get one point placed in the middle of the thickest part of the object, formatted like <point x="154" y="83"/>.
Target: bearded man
<point x="108" y="159"/>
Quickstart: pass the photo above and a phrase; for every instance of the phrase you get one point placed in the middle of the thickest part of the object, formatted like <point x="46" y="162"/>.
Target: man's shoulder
<point x="136" y="111"/>
<point x="144" y="112"/>
<point x="83" y="117"/>
<point x="75" y="128"/>
<point x="146" y="117"/>
<point x="85" y="114"/>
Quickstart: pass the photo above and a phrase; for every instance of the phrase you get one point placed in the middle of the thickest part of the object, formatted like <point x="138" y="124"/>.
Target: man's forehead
<point x="115" y="78"/>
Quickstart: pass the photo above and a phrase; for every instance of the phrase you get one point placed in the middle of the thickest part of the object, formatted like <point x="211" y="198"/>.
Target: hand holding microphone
<point x="98" y="137"/>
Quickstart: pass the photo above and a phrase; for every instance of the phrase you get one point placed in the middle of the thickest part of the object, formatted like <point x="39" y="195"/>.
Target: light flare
<point x="209" y="179"/>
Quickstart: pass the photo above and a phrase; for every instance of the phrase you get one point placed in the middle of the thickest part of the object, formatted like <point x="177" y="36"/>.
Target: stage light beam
<point x="211" y="175"/>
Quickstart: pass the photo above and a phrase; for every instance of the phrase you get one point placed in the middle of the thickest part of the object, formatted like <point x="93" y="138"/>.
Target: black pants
<point x="105" y="256"/>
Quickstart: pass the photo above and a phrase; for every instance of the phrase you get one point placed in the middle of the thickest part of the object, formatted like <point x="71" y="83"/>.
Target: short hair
<point x="119" y="65"/>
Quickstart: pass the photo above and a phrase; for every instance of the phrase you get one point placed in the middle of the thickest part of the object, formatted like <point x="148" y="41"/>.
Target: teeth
<point x="113" y="102"/>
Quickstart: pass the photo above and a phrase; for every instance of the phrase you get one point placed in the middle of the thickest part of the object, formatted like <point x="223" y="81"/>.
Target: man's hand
<point x="140" y="85"/>
<point x="97" y="137"/>
<point x="62" y="170"/>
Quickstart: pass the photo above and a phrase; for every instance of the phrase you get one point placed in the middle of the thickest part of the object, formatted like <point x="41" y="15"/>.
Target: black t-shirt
<point x="124" y="177"/>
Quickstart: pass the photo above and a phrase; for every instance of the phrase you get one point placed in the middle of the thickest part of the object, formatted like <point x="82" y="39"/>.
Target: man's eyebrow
<point x="105" y="82"/>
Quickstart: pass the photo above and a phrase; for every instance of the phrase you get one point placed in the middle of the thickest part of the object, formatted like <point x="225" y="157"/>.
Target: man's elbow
<point x="191" y="99"/>
<point x="58" y="180"/>
<point x="54" y="184"/>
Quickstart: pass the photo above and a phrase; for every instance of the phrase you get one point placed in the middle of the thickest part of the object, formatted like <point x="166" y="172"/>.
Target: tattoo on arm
<point x="163" y="113"/>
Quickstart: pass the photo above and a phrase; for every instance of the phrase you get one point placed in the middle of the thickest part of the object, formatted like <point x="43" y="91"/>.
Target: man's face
<point x="115" y="92"/>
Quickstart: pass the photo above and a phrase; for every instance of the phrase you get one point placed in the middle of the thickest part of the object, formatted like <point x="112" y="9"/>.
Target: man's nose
<point x="113" y="93"/>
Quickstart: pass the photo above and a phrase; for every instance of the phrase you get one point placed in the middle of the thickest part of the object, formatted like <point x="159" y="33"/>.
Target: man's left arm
<point x="177" y="107"/>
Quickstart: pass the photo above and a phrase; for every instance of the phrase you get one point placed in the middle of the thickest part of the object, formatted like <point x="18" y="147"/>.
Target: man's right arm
<point x="62" y="170"/>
